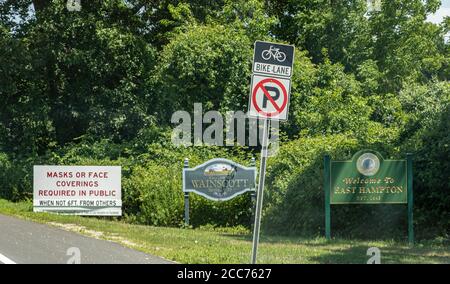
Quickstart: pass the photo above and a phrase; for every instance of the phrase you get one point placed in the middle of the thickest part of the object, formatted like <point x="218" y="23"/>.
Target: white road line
<point x="5" y="260"/>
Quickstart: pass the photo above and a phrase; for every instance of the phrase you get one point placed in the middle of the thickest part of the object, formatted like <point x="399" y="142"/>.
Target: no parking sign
<point x="269" y="97"/>
<point x="271" y="83"/>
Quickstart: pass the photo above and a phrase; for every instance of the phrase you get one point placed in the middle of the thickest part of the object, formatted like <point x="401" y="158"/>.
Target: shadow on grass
<point x="395" y="254"/>
<point x="268" y="238"/>
<point x="415" y="255"/>
<point x="350" y="255"/>
<point x="313" y="241"/>
<point x="388" y="255"/>
<point x="342" y="251"/>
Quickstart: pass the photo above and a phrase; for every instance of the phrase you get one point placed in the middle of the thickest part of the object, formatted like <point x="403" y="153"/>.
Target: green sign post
<point x="368" y="179"/>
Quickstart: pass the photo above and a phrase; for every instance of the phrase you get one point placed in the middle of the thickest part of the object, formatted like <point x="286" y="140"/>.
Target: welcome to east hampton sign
<point x="368" y="179"/>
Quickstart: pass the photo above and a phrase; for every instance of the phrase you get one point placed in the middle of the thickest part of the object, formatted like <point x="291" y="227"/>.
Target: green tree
<point x="162" y="17"/>
<point x="75" y="67"/>
<point x="205" y="64"/>
<point x="25" y="124"/>
<point x="326" y="100"/>
<point x="404" y="45"/>
<point x="249" y="16"/>
<point x="339" y="26"/>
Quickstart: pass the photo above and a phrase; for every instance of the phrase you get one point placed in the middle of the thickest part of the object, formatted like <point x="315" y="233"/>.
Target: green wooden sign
<point x="219" y="179"/>
<point x="368" y="178"/>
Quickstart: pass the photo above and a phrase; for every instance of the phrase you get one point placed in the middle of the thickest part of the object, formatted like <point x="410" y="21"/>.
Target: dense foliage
<point x="99" y="86"/>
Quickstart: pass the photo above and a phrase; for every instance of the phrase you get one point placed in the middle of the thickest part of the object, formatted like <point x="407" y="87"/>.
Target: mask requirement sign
<point x="78" y="190"/>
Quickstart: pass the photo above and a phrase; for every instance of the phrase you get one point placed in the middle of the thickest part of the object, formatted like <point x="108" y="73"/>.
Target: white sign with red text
<point x="269" y="97"/>
<point x="78" y="190"/>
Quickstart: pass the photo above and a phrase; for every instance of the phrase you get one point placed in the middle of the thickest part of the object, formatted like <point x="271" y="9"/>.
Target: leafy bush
<point x="5" y="168"/>
<point x="204" y="64"/>
<point x="153" y="193"/>
<point x="429" y="140"/>
<point x="432" y="180"/>
<point x="294" y="191"/>
<point x="15" y="178"/>
<point x="327" y="101"/>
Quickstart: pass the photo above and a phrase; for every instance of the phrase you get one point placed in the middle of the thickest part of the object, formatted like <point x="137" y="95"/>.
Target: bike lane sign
<point x="269" y="97"/>
<point x="273" y="59"/>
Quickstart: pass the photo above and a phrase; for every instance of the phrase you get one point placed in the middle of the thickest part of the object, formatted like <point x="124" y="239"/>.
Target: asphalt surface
<point x="25" y="242"/>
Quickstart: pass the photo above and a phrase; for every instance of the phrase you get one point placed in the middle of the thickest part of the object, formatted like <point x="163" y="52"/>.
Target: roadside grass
<point x="208" y="245"/>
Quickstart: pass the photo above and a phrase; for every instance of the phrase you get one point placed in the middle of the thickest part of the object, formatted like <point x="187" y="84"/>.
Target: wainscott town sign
<point x="218" y="180"/>
<point x="368" y="179"/>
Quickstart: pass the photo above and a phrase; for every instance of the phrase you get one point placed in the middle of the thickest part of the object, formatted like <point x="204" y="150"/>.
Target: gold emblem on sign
<point x="219" y="170"/>
<point x="368" y="164"/>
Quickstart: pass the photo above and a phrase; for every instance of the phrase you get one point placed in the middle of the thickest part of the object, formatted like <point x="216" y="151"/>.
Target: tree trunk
<point x="40" y="5"/>
<point x="51" y="77"/>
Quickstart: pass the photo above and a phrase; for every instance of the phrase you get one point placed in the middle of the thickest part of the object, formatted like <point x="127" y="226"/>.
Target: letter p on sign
<point x="269" y="97"/>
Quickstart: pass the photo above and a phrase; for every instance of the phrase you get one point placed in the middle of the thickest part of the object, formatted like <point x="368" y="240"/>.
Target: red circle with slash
<point x="279" y="109"/>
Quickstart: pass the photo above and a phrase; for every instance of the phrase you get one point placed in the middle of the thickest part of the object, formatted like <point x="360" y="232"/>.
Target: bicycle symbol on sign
<point x="275" y="53"/>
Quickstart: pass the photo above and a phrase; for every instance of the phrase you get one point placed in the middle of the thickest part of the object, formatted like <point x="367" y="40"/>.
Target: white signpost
<point x="78" y="190"/>
<point x="269" y="99"/>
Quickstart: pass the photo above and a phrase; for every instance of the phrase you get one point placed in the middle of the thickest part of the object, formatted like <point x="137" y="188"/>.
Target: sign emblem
<point x="73" y="5"/>
<point x="275" y="53"/>
<point x="368" y="164"/>
<point x="220" y="169"/>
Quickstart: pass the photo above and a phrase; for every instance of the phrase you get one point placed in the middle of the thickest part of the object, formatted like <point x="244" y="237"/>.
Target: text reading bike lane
<point x="273" y="59"/>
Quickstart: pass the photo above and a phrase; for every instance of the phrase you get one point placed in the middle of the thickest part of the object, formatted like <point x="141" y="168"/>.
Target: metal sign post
<point x="326" y="182"/>
<point x="186" y="198"/>
<point x="259" y="196"/>
<point x="409" y="171"/>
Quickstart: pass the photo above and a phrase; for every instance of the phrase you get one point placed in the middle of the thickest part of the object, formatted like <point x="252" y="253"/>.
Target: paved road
<point x="28" y="242"/>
